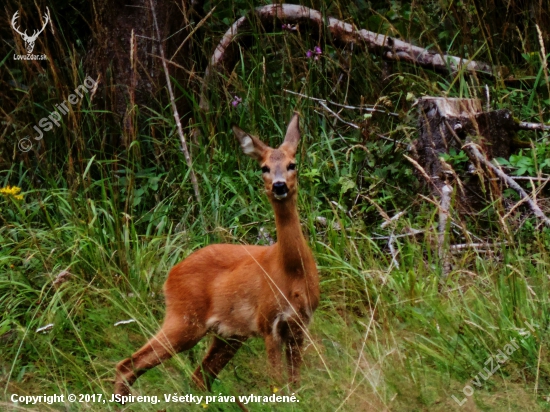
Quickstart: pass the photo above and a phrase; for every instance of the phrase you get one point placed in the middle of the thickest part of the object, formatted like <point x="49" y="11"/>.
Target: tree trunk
<point x="124" y="53"/>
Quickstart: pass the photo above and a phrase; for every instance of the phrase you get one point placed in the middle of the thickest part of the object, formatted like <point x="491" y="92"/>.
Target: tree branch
<point x="533" y="126"/>
<point x="344" y="33"/>
<point x="473" y="152"/>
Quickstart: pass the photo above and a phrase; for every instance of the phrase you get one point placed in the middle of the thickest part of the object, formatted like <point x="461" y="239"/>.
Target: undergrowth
<point x="98" y="226"/>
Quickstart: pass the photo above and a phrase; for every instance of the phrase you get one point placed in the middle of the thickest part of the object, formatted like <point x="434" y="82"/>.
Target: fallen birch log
<point x="344" y="33"/>
<point x="476" y="156"/>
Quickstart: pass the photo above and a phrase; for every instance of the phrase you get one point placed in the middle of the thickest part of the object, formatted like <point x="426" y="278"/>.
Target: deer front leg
<point x="294" y="345"/>
<point x="220" y="353"/>
<point x="274" y="348"/>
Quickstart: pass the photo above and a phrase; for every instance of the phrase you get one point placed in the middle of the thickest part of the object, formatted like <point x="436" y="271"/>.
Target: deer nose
<point x="280" y="188"/>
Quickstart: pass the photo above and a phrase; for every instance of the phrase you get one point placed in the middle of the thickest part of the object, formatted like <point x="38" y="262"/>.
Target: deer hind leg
<point x="220" y="353"/>
<point x="294" y="345"/>
<point x="174" y="337"/>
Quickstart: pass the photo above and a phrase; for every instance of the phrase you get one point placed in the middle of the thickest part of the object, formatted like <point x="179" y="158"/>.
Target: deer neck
<point x="292" y="249"/>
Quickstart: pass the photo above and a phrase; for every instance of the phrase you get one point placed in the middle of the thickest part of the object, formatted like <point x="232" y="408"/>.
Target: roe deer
<point x="239" y="291"/>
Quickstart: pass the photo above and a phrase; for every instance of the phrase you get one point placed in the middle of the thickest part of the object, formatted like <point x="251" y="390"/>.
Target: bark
<point x="342" y="33"/>
<point x="123" y="52"/>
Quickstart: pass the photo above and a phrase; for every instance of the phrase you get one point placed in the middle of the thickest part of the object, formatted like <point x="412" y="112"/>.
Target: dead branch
<point x="474" y="153"/>
<point x="443" y="217"/>
<point x="412" y="232"/>
<point x="528" y="178"/>
<point x="345" y="106"/>
<point x="344" y="33"/>
<point x="393" y="219"/>
<point x="393" y="251"/>
<point x="477" y="246"/>
<point x="533" y="126"/>
<point x="328" y="109"/>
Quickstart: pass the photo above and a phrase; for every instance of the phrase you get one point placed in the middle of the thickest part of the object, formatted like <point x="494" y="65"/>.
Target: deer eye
<point x="292" y="166"/>
<point x="265" y="169"/>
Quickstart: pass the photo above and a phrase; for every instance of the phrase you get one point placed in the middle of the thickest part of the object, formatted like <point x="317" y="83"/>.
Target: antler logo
<point x="29" y="40"/>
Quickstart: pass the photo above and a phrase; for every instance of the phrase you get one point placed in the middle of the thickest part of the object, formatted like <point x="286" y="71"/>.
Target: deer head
<point x="278" y="165"/>
<point x="29" y="40"/>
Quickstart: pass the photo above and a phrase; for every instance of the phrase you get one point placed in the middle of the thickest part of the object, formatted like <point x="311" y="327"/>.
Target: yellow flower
<point x="275" y="390"/>
<point x="12" y="191"/>
<point x="204" y="405"/>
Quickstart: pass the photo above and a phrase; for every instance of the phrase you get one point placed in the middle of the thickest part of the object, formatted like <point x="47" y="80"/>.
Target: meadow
<point x="88" y="240"/>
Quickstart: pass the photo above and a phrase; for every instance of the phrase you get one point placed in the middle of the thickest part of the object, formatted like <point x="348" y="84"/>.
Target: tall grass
<point x="114" y="221"/>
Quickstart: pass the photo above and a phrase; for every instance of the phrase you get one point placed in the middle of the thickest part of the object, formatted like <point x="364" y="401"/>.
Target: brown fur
<point x="239" y="291"/>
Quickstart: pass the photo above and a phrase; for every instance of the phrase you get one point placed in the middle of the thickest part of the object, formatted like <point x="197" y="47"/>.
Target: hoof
<point x="121" y="389"/>
<point x="198" y="381"/>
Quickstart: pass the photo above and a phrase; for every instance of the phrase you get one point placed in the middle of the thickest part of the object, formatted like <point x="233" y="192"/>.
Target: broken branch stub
<point x="446" y="123"/>
<point x="271" y="16"/>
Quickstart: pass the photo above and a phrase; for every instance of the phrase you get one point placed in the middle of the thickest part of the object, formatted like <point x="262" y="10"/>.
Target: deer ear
<point x="292" y="137"/>
<point x="252" y="146"/>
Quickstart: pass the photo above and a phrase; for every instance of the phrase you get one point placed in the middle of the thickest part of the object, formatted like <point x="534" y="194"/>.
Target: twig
<point x="393" y="252"/>
<point x="529" y="178"/>
<point x="474" y="153"/>
<point x="198" y="26"/>
<point x="175" y="110"/>
<point x="413" y="232"/>
<point x="394" y="218"/>
<point x="338" y="116"/>
<point x="394" y="141"/>
<point x="345" y="106"/>
<point x="45" y="328"/>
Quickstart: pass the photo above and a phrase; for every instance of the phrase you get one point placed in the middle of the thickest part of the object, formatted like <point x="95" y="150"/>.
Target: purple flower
<point x="315" y="53"/>
<point x="236" y="101"/>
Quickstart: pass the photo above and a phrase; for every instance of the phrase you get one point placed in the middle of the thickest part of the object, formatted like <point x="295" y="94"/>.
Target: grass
<point x="383" y="338"/>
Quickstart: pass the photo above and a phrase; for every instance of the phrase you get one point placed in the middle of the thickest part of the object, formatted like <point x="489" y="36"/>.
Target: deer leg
<point x="294" y="344"/>
<point x="173" y="337"/>
<point x="220" y="353"/>
<point x="273" y="348"/>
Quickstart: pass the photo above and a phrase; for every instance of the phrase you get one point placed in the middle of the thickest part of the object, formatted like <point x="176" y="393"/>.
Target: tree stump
<point x="446" y="123"/>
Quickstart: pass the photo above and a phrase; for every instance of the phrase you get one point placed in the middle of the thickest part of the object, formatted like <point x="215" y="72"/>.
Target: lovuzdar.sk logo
<point x="30" y="39"/>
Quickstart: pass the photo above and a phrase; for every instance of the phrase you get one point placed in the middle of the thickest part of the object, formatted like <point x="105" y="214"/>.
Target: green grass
<point x="383" y="338"/>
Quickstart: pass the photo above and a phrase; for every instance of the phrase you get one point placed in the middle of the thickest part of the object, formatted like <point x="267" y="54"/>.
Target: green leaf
<point x="347" y="184"/>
